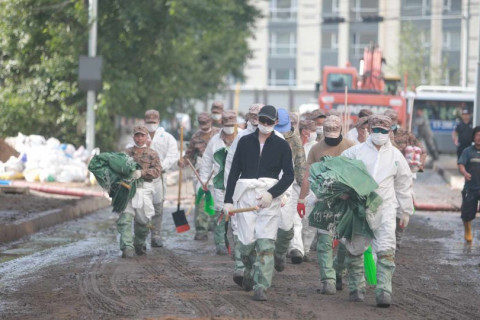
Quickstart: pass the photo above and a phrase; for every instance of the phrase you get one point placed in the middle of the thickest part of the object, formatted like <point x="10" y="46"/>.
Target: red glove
<point x="301" y="209"/>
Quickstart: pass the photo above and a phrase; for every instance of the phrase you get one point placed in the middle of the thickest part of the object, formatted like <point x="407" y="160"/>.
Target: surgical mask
<point x="264" y="129"/>
<point x="207" y="130"/>
<point x="143" y="146"/>
<point x="216" y="116"/>
<point x="312" y="137"/>
<point x="333" y="141"/>
<point x="251" y="126"/>
<point x="151" y="127"/>
<point x="379" y="138"/>
<point x="228" y="130"/>
<point x="319" y="129"/>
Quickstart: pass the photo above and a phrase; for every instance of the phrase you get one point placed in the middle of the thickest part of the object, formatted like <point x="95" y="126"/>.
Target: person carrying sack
<point x="254" y="180"/>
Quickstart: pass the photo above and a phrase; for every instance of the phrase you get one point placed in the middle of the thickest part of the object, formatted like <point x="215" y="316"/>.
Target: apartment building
<point x="297" y="38"/>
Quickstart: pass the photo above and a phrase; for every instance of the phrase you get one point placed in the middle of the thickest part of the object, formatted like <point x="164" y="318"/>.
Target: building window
<point x="282" y="77"/>
<point x="283" y="10"/>
<point x="426" y="7"/>
<point x="361" y="41"/>
<point x="362" y="8"/>
<point x="425" y="38"/>
<point x="447" y="6"/>
<point x="331" y="8"/>
<point x="451" y="41"/>
<point x="283" y="44"/>
<point x="329" y="41"/>
<point x="418" y="6"/>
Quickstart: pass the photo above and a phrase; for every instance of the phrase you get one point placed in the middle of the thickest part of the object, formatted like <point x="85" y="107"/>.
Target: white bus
<point x="442" y="106"/>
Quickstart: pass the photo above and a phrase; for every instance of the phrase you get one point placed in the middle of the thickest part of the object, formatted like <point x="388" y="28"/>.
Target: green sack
<point x="220" y="156"/>
<point x="113" y="171"/>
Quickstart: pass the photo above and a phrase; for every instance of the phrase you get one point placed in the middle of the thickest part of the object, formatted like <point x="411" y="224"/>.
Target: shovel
<point x="227" y="219"/>
<point x="179" y="217"/>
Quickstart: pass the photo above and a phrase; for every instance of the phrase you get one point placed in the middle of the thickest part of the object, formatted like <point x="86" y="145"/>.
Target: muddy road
<point x="74" y="271"/>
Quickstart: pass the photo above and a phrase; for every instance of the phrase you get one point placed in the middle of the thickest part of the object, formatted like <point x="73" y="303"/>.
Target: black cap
<point x="268" y="111"/>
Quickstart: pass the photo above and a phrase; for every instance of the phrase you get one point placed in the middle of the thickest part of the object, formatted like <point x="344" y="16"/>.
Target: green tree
<point x="158" y="54"/>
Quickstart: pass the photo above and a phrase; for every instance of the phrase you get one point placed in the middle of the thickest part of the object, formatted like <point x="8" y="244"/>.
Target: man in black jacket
<point x="254" y="180"/>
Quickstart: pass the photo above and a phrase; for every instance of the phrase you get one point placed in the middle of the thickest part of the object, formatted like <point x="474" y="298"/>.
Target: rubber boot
<point x="156" y="240"/>
<point x="141" y="234"/>
<point x="356" y="277"/>
<point x="385" y="270"/>
<point x="468" y="230"/>
<point x="201" y="221"/>
<point x="325" y="260"/>
<point x="248" y="255"/>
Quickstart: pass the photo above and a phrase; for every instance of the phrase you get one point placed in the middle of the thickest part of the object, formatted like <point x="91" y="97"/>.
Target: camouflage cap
<point x="294" y="118"/>
<point x="140" y="129"/>
<point x="255" y="108"/>
<point x="380" y="121"/>
<point x="361" y="121"/>
<point x="316" y="114"/>
<point x="229" y="118"/>
<point x="333" y="112"/>
<point x="365" y="113"/>
<point x="392" y="114"/>
<point x="308" y="125"/>
<point x="332" y="127"/>
<point x="217" y="107"/>
<point x="152" y="115"/>
<point x="204" y="120"/>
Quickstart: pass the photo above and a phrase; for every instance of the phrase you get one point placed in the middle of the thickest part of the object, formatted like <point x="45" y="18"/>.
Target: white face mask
<point x="312" y="137"/>
<point x="319" y="129"/>
<point x="264" y="129"/>
<point x="228" y="130"/>
<point x="216" y="116"/>
<point x="251" y="126"/>
<point x="151" y="127"/>
<point x="379" y="138"/>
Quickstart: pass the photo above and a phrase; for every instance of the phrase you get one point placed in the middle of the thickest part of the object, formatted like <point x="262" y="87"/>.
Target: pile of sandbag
<point x="44" y="160"/>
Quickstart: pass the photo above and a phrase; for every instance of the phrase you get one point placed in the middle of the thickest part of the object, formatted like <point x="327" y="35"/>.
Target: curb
<point x="455" y="181"/>
<point x="84" y="206"/>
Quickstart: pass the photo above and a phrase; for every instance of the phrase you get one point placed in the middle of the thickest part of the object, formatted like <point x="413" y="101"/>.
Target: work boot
<point x="260" y="295"/>
<point x="384" y="300"/>
<point x="221" y="250"/>
<point x="201" y="236"/>
<point x="296" y="256"/>
<point x="238" y="277"/>
<point x="279" y="262"/>
<point x="157" y="242"/>
<point x="468" y="230"/>
<point x="357" y="296"/>
<point x="141" y="250"/>
<point x="339" y="283"/>
<point x="327" y="288"/>
<point x="247" y="283"/>
<point x="127" y="252"/>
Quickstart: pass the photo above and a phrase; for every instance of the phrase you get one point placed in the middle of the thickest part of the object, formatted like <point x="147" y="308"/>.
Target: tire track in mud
<point x="186" y="277"/>
<point x="97" y="300"/>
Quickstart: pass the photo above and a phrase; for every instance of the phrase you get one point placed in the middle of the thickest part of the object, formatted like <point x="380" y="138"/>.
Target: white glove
<point x="227" y="207"/>
<point x="137" y="174"/>
<point x="404" y="220"/>
<point x="264" y="199"/>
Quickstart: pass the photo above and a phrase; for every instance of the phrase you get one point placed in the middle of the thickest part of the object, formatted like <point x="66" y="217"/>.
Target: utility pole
<point x="92" y="52"/>
<point x="476" y="107"/>
<point x="466" y="44"/>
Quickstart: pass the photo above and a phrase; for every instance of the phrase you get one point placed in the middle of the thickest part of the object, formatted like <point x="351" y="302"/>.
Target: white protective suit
<point x="261" y="224"/>
<point x="141" y="204"/>
<point x="229" y="160"/>
<point x="208" y="163"/>
<point x="352" y="134"/>
<point x="391" y="172"/>
<point x="166" y="147"/>
<point x="303" y="233"/>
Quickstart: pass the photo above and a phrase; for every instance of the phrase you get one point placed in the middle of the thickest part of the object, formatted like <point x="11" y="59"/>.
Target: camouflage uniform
<point x="298" y="155"/>
<point x="151" y="169"/>
<point x="196" y="147"/>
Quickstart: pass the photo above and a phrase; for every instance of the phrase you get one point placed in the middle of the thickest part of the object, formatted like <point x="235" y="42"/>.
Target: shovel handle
<point x="240" y="210"/>
<point x="180" y="168"/>
<point x="196" y="173"/>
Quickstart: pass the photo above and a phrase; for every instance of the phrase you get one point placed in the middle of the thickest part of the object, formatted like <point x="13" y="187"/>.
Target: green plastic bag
<point x="208" y="204"/>
<point x="370" y="267"/>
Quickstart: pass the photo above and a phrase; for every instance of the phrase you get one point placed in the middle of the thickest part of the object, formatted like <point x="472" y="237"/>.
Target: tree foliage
<point x="157" y="54"/>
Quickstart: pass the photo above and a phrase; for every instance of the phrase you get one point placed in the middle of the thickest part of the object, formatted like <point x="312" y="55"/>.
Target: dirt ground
<point x="436" y="277"/>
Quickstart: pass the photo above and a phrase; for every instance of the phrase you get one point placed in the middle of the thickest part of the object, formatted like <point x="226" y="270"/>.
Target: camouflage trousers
<point x="257" y="258"/>
<point x="203" y="221"/>
<point x="124" y="227"/>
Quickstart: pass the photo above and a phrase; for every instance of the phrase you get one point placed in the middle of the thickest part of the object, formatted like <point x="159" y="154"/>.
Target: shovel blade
<point x="180" y="220"/>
